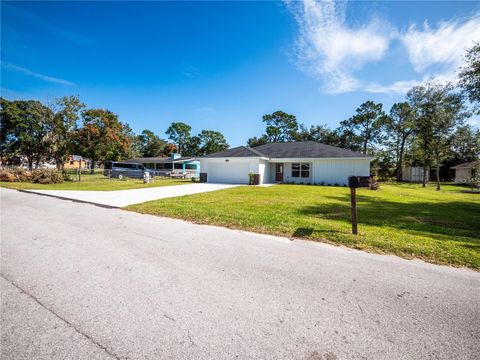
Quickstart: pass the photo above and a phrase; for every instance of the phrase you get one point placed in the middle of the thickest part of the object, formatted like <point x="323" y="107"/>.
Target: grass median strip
<point x="406" y="220"/>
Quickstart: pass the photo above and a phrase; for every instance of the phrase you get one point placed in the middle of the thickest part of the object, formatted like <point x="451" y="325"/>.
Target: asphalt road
<point x="85" y="282"/>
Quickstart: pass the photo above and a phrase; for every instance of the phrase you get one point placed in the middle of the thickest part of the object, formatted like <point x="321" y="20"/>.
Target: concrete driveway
<point x="120" y="198"/>
<point x="85" y="282"/>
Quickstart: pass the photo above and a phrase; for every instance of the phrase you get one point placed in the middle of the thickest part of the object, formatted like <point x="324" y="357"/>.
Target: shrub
<point x="373" y="183"/>
<point x="41" y="176"/>
<point x="474" y="181"/>
<point x="47" y="176"/>
<point x="251" y="178"/>
<point x="15" y="175"/>
<point x="22" y="174"/>
<point x="195" y="179"/>
<point x="7" y="176"/>
<point x="66" y="176"/>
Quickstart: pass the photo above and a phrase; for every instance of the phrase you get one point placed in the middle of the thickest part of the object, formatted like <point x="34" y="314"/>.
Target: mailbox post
<point x="80" y="169"/>
<point x="355" y="182"/>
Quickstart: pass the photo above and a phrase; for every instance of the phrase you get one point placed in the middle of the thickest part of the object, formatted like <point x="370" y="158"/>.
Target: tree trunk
<point x="424" y="181"/>
<point x="399" y="169"/>
<point x="365" y="147"/>
<point x="59" y="163"/>
<point x="92" y="165"/>
<point x="30" y="163"/>
<point x="400" y="161"/>
<point x="438" y="173"/>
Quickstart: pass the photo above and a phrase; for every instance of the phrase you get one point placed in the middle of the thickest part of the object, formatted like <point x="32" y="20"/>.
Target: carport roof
<point x="301" y="150"/>
<point x="160" y="160"/>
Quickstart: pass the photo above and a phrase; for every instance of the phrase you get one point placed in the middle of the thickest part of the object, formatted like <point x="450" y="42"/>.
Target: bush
<point x="47" y="176"/>
<point x="251" y="178"/>
<point x="374" y="185"/>
<point x="195" y="179"/>
<point x="15" y="175"/>
<point x="7" y="176"/>
<point x="66" y="176"/>
<point x="474" y="181"/>
<point x="22" y="174"/>
<point x="40" y="176"/>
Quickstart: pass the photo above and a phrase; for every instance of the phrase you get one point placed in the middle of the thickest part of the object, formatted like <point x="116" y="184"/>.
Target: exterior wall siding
<point x="462" y="175"/>
<point x="337" y="171"/>
<point x="271" y="175"/>
<point x="229" y="170"/>
<point x="328" y="171"/>
<point x="287" y="173"/>
<point x="265" y="171"/>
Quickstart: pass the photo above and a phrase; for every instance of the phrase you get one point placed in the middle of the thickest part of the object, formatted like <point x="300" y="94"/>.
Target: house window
<point x="300" y="170"/>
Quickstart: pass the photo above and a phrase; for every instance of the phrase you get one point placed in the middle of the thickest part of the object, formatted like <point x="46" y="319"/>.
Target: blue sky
<point x="222" y="65"/>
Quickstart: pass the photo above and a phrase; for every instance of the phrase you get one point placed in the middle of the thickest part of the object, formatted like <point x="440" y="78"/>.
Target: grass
<point x="441" y="227"/>
<point x="97" y="182"/>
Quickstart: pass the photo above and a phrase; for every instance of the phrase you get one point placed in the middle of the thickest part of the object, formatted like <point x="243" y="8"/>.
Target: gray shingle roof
<point x="240" y="151"/>
<point x="467" y="165"/>
<point x="305" y="149"/>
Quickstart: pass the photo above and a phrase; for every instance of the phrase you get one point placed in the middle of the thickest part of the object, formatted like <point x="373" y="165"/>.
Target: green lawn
<point x="98" y="182"/>
<point x="407" y="220"/>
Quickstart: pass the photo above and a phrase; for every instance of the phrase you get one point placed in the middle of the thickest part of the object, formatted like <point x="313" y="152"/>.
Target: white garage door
<point x="228" y="172"/>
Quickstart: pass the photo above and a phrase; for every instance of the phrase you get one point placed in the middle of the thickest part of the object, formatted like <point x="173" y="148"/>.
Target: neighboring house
<point x="174" y="163"/>
<point x="76" y="161"/>
<point x="297" y="162"/>
<point x="413" y="173"/>
<point x="464" y="172"/>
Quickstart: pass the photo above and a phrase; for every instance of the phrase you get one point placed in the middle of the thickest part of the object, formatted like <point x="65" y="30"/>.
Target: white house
<point x="298" y="162"/>
<point x="464" y="172"/>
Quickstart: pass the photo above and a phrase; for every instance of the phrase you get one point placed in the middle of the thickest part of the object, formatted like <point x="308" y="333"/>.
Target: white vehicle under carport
<point x="123" y="170"/>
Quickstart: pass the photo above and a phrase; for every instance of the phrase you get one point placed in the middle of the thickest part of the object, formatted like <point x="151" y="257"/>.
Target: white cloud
<point x="398" y="87"/>
<point x="444" y="45"/>
<point x="330" y="49"/>
<point x="402" y="87"/>
<point x="36" y="75"/>
<point x="334" y="52"/>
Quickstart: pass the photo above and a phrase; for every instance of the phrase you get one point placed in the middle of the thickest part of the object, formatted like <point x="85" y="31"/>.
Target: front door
<point x="279" y="172"/>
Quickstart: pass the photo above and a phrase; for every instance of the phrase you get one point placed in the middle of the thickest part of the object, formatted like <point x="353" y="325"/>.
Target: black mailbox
<point x="353" y="182"/>
<point x="358" y="181"/>
<point x="364" y="181"/>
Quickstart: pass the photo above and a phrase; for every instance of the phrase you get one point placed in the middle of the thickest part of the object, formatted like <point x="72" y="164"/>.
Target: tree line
<point x="428" y="129"/>
<point x="54" y="130"/>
